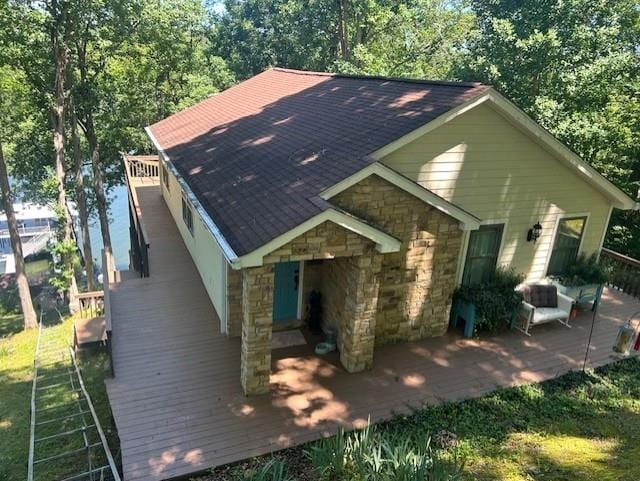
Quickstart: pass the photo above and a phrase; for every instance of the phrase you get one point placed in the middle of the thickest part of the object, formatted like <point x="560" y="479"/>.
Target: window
<point x="187" y="214"/>
<point x="482" y="254"/>
<point x="164" y="174"/>
<point x="566" y="245"/>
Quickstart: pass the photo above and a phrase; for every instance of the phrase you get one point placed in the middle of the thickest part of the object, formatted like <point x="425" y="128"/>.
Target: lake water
<point x="118" y="227"/>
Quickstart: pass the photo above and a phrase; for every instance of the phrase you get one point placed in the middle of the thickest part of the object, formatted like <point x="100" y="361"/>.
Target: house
<point x="382" y="194"/>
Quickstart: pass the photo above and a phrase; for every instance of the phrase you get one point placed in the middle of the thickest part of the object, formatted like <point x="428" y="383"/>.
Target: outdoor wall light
<point x="534" y="232"/>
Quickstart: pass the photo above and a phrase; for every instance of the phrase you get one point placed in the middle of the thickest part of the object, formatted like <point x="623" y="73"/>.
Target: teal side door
<point x="285" y="291"/>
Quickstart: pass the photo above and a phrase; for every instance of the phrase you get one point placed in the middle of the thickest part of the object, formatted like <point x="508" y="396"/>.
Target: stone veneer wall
<point x="325" y="241"/>
<point x="257" y="310"/>
<point x="234" y="302"/>
<point x="416" y="283"/>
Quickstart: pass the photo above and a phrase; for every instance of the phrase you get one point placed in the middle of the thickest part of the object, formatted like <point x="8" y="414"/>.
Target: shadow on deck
<point x="177" y="399"/>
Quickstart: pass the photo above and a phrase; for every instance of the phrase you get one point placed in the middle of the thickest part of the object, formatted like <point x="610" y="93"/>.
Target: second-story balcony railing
<point x="139" y="170"/>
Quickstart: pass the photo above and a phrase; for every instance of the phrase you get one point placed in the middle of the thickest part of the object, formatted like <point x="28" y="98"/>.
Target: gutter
<point x="227" y="250"/>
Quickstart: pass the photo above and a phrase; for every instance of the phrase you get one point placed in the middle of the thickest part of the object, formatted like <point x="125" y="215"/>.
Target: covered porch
<point x="179" y="406"/>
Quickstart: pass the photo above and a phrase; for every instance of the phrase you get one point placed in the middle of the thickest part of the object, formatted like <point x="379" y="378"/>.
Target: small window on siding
<point x="566" y="244"/>
<point x="482" y="254"/>
<point x="187" y="214"/>
<point x="164" y="174"/>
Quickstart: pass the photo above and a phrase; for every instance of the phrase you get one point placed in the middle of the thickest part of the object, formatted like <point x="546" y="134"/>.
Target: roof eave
<point x="228" y="252"/>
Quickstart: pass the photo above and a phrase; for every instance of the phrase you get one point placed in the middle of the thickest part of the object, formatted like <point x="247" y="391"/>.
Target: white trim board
<point x="528" y="126"/>
<point x="468" y="221"/>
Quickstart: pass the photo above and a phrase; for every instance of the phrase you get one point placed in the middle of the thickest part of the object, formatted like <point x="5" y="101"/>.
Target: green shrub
<point x="494" y="300"/>
<point x="369" y="454"/>
<point x="585" y="270"/>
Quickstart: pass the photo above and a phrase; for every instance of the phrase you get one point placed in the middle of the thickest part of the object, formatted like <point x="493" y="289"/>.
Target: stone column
<point x="234" y="302"/>
<point x="257" y="323"/>
<point x="358" y="326"/>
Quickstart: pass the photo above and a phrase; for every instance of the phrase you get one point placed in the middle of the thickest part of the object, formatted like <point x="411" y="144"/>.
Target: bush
<point x="585" y="270"/>
<point x="369" y="454"/>
<point x="495" y="300"/>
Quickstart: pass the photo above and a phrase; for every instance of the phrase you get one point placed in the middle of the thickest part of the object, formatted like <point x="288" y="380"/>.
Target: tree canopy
<point x="573" y="65"/>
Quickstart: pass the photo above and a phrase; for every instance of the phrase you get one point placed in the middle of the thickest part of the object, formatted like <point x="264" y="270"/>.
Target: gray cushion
<point x="540" y="295"/>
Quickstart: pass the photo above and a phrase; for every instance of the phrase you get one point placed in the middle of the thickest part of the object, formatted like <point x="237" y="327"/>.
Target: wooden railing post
<point x="108" y="277"/>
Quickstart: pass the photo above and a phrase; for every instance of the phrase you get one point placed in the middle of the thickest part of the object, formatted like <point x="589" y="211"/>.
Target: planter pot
<point x="466" y="311"/>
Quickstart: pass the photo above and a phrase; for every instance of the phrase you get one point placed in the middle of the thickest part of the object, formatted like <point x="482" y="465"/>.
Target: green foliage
<point x="585" y="270"/>
<point x="65" y="255"/>
<point x="494" y="300"/>
<point x="273" y="470"/>
<point x="371" y="454"/>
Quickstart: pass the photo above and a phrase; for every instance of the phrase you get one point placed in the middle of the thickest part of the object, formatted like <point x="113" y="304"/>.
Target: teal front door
<point x="285" y="291"/>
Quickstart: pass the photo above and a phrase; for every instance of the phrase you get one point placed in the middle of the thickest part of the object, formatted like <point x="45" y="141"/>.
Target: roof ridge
<point x="451" y="83"/>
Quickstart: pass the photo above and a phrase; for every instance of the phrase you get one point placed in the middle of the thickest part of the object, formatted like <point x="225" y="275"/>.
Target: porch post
<point x="357" y="333"/>
<point x="257" y="323"/>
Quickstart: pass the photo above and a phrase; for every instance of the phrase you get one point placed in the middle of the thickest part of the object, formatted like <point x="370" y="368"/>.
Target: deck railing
<point x="144" y="166"/>
<point x="139" y="168"/>
<point x="623" y="272"/>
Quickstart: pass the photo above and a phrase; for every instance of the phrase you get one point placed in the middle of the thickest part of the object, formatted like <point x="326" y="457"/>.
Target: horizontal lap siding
<point x="204" y="250"/>
<point x="482" y="163"/>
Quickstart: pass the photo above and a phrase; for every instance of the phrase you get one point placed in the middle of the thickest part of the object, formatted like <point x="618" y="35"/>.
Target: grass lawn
<point x="574" y="428"/>
<point x="16" y="370"/>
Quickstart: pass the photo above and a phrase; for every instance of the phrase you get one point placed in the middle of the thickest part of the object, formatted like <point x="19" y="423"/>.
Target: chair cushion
<point x="543" y="314"/>
<point x="540" y="295"/>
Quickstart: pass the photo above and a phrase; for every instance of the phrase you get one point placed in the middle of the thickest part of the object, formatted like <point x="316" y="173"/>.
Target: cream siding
<point x="482" y="163"/>
<point x="204" y="250"/>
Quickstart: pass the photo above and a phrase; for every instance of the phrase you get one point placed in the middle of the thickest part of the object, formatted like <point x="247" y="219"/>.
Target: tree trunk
<point x="343" y="33"/>
<point x="94" y="147"/>
<point x="98" y="185"/>
<point x="81" y="197"/>
<point x="29" y="314"/>
<point x="58" y="133"/>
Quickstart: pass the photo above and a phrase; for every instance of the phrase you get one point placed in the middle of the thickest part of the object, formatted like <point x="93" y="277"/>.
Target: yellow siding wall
<point x="482" y="163"/>
<point x="204" y="250"/>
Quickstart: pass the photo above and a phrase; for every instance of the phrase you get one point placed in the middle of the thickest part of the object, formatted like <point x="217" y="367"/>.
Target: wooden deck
<point x="177" y="399"/>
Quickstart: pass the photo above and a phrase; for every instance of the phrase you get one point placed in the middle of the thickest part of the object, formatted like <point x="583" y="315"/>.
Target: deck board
<point x="177" y="399"/>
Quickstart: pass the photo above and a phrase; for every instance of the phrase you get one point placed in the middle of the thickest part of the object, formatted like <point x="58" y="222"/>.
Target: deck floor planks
<point x="177" y="399"/>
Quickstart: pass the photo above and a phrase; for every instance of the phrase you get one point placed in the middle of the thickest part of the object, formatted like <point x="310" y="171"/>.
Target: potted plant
<point x="490" y="306"/>
<point x="583" y="281"/>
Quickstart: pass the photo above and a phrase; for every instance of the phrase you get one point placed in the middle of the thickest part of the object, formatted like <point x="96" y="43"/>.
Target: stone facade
<point x="257" y="324"/>
<point x="371" y="298"/>
<point x="234" y="302"/>
<point x="417" y="282"/>
<point x="325" y="241"/>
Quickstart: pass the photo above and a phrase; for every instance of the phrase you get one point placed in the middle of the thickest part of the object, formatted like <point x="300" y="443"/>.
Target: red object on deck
<point x="636" y="346"/>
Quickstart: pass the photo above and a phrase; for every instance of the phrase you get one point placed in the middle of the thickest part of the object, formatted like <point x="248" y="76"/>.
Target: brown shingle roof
<point x="257" y="154"/>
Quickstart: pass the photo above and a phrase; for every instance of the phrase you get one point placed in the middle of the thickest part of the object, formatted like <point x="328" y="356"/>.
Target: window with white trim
<point x="187" y="214"/>
<point x="164" y="174"/>
<point x="482" y="254"/>
<point x="566" y="245"/>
